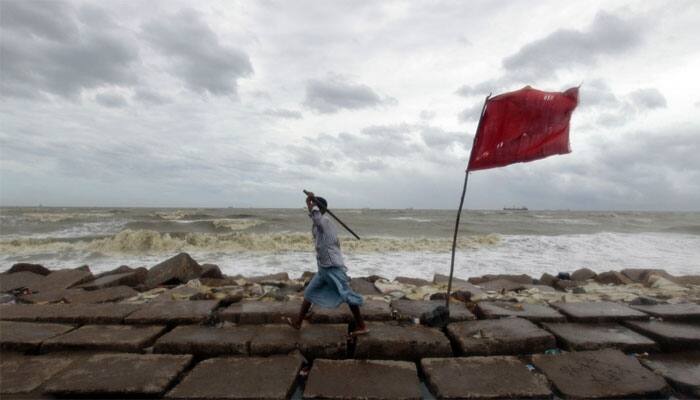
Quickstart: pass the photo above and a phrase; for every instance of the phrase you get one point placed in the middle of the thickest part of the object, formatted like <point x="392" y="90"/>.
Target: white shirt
<point x="325" y="235"/>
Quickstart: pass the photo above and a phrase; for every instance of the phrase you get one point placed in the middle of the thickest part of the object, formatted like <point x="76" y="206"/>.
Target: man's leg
<point x="305" y="306"/>
<point x="359" y="322"/>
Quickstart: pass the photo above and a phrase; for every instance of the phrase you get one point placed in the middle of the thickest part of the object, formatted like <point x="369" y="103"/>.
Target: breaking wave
<point x="149" y="241"/>
<point x="219" y="225"/>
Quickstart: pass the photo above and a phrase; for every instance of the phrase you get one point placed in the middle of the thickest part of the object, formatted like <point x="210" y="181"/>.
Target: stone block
<point x="506" y="336"/>
<point x="211" y="271"/>
<point x="410" y="310"/>
<point x="675" y="312"/>
<point x="17" y="280"/>
<point x="104" y="338"/>
<point x="532" y="312"/>
<point x="80" y="313"/>
<point x="130" y="278"/>
<point x="240" y="378"/>
<point x="670" y="335"/>
<point x="601" y="311"/>
<point x="522" y="278"/>
<point x="413" y="281"/>
<point x="173" y="271"/>
<point x="63" y="279"/>
<point x="271" y="278"/>
<point x="362" y="379"/>
<point x="314" y="341"/>
<point x="28" y="267"/>
<point x="682" y="370"/>
<point x="207" y="341"/>
<point x="599" y="374"/>
<point x="613" y="278"/>
<point x="119" y="375"/>
<point x="110" y="294"/>
<point x="363" y="287"/>
<point x="548" y="279"/>
<point x="27" y="336"/>
<point x="391" y="341"/>
<point x="372" y="310"/>
<point x="47" y="297"/>
<point x="174" y="312"/>
<point x="583" y="274"/>
<point x="578" y="336"/>
<point x="23" y="375"/>
<point x="483" y="378"/>
<point x="260" y="312"/>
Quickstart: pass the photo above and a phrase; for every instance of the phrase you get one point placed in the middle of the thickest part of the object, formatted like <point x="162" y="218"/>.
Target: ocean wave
<point x="149" y="241"/>
<point x="691" y="229"/>
<point x="219" y="225"/>
<point x="63" y="217"/>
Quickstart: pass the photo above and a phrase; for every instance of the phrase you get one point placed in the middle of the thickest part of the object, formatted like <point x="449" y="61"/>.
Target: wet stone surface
<point x="678" y="312"/>
<point x="602" y="311"/>
<point x="372" y="310"/>
<point x="483" y="377"/>
<point x="119" y="375"/>
<point x="174" y="312"/>
<point x="362" y="379"/>
<point x="599" y="374"/>
<point x="63" y="279"/>
<point x="240" y="378"/>
<point x="409" y="310"/>
<point x="682" y="370"/>
<point x="531" y="312"/>
<point x="9" y="282"/>
<point x="670" y="335"/>
<point x="23" y="375"/>
<point x="27" y="336"/>
<point x="507" y="336"/>
<point x="390" y="341"/>
<point x="207" y="341"/>
<point x="260" y="312"/>
<point x="123" y="338"/>
<point x="314" y="341"/>
<point x="577" y="336"/>
<point x="111" y="294"/>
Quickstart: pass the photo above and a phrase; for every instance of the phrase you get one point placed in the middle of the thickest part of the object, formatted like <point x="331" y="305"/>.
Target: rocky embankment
<point x="185" y="330"/>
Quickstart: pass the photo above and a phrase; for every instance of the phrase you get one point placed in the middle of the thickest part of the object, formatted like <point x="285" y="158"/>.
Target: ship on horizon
<point x="515" y="209"/>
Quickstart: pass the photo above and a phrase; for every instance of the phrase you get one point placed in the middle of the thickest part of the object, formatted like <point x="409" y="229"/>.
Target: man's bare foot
<point x="362" y="330"/>
<point x="292" y="322"/>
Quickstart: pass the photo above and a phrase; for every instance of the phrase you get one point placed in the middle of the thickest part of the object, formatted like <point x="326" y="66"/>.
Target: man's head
<point x="322" y="203"/>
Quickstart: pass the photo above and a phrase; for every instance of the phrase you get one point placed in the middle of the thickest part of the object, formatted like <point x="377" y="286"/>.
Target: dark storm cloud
<point x="566" y="48"/>
<point x="613" y="110"/>
<point x="201" y="61"/>
<point x="333" y="95"/>
<point x="42" y="51"/>
<point x="283" y="113"/>
<point x="112" y="100"/>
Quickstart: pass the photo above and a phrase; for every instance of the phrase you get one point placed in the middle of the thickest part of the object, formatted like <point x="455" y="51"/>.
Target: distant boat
<point x="514" y="208"/>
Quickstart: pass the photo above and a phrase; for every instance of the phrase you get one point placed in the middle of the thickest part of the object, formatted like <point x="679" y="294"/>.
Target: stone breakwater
<point x="185" y="330"/>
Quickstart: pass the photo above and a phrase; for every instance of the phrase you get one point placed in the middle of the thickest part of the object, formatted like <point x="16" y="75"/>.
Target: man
<point x="330" y="287"/>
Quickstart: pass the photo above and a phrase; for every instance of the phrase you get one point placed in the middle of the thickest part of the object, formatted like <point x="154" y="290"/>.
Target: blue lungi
<point x="330" y="287"/>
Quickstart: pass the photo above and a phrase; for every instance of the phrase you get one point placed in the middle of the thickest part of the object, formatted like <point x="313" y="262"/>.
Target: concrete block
<point x="105" y="313"/>
<point x="207" y="341"/>
<point x="578" y="336"/>
<point x="372" y="310"/>
<point x="531" y="312"/>
<point x="669" y="312"/>
<point x="260" y="312"/>
<point x="174" y="312"/>
<point x="63" y="279"/>
<point x="390" y="341"/>
<point x="682" y="370"/>
<point x="362" y="379"/>
<point x="24" y="375"/>
<point x="27" y="336"/>
<point x="110" y="294"/>
<point x="130" y="278"/>
<point x="483" y="378"/>
<point x="506" y="336"/>
<point x="599" y="374"/>
<point x="119" y="375"/>
<point x="16" y="280"/>
<point x="670" y="335"/>
<point x="314" y="341"/>
<point x="410" y="310"/>
<point x="240" y="378"/>
<point x="601" y="311"/>
<point x="122" y="338"/>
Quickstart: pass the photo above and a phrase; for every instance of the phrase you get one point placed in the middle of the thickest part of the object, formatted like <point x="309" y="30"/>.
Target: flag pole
<point x="459" y="211"/>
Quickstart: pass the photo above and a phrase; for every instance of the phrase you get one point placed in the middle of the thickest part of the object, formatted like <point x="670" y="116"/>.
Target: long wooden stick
<point x="459" y="212"/>
<point x="332" y="215"/>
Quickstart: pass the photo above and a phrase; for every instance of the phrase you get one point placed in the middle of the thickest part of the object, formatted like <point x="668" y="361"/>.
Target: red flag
<point x="521" y="126"/>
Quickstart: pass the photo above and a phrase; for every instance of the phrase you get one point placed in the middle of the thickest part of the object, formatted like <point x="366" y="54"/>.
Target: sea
<point x="400" y="242"/>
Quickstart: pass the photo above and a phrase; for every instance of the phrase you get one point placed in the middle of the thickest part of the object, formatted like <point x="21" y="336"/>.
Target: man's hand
<point x="310" y="201"/>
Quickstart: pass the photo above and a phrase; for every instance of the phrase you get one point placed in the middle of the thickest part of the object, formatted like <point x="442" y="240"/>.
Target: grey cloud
<point x="68" y="63"/>
<point x="649" y="98"/>
<point x="148" y="96"/>
<point x="438" y="138"/>
<point x="565" y="48"/>
<point x="112" y="100"/>
<point x="471" y="113"/>
<point x="427" y="115"/>
<point x="202" y="62"/>
<point x="331" y="96"/>
<point x="480" y="89"/>
<point x="373" y="164"/>
<point x="283" y="113"/>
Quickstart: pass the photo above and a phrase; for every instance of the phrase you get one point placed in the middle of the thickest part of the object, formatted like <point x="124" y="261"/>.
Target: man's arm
<point x="314" y="211"/>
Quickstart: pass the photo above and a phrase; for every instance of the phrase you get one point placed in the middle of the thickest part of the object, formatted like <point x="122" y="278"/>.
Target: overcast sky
<point x="370" y="104"/>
